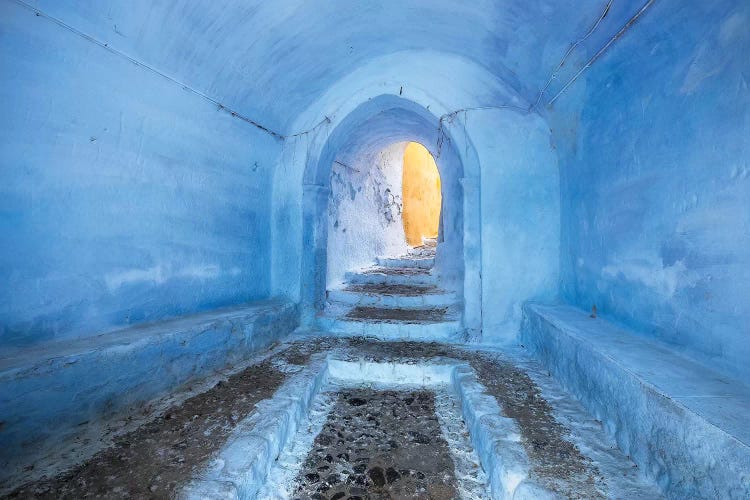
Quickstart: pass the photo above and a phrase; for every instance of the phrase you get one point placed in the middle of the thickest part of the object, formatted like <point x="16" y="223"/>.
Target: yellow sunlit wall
<point x="421" y="194"/>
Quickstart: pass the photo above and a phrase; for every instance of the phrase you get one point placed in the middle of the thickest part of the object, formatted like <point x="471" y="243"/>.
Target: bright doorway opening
<point x="421" y="195"/>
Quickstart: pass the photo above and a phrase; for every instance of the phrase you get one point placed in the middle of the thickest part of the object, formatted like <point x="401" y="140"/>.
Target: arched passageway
<point x="500" y="157"/>
<point x="365" y="209"/>
<point x="365" y="133"/>
<point x="491" y="160"/>
<point x="183" y="190"/>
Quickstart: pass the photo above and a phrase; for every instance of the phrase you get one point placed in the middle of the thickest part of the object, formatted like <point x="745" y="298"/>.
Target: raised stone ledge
<point x="49" y="393"/>
<point x="685" y="425"/>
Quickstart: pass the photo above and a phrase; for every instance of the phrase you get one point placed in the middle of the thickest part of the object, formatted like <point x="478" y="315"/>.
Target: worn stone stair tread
<point x="380" y="296"/>
<point x="395" y="289"/>
<point x="392" y="276"/>
<point x="406" y="271"/>
<point x="406" y="262"/>
<point x="399" y="298"/>
<point x="444" y="331"/>
<point x="401" y="315"/>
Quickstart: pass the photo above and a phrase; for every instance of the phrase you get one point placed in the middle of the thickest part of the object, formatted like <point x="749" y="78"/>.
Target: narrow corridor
<point x="374" y="250"/>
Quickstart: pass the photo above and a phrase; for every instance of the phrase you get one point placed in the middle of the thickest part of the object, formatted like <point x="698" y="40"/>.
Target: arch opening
<point x="362" y="136"/>
<point x="385" y="204"/>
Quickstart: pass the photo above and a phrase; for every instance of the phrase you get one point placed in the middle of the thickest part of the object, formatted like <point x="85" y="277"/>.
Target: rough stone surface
<point x="382" y="300"/>
<point x="392" y="289"/>
<point x="398" y="271"/>
<point x="379" y="445"/>
<point x="557" y="463"/>
<point x="431" y="315"/>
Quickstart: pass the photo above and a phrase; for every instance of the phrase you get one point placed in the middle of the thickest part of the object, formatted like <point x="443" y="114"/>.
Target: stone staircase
<point x="398" y="298"/>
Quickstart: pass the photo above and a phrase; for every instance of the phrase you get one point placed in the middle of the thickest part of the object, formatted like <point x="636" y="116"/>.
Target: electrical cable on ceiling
<point x="603" y="49"/>
<point x="327" y="119"/>
<point x="572" y="47"/>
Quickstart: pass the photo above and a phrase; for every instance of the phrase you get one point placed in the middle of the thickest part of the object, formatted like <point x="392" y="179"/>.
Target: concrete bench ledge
<point x="685" y="425"/>
<point x="48" y="393"/>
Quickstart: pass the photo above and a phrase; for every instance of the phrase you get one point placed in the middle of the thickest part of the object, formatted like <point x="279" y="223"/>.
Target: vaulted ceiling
<point x="271" y="61"/>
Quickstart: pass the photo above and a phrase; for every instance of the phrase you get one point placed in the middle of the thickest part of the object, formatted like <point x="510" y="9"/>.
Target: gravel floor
<point x="379" y="445"/>
<point x="556" y="462"/>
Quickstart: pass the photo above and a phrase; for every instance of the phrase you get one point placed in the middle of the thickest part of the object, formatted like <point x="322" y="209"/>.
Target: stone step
<point x="389" y="296"/>
<point x="412" y="315"/>
<point x="406" y="262"/>
<point x="445" y="331"/>
<point x="392" y="276"/>
<point x="427" y="323"/>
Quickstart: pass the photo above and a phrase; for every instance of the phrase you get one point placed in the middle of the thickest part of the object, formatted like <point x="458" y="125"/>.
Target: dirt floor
<point x="383" y="289"/>
<point x="154" y="460"/>
<point x="401" y="315"/>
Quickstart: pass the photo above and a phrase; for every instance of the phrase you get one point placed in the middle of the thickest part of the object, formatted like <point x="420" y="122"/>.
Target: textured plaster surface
<point x="150" y="125"/>
<point x="287" y="76"/>
<point x="123" y="198"/>
<point x="155" y="164"/>
<point x="655" y="159"/>
<point x="421" y="195"/>
<point x="364" y="211"/>
<point x="520" y="217"/>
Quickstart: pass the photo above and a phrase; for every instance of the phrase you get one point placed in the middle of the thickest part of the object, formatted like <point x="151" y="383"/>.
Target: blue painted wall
<point x="123" y="197"/>
<point x="520" y="201"/>
<point x="655" y="163"/>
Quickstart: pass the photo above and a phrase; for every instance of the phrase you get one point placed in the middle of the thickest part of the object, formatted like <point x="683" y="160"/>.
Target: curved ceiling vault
<point x="271" y="61"/>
